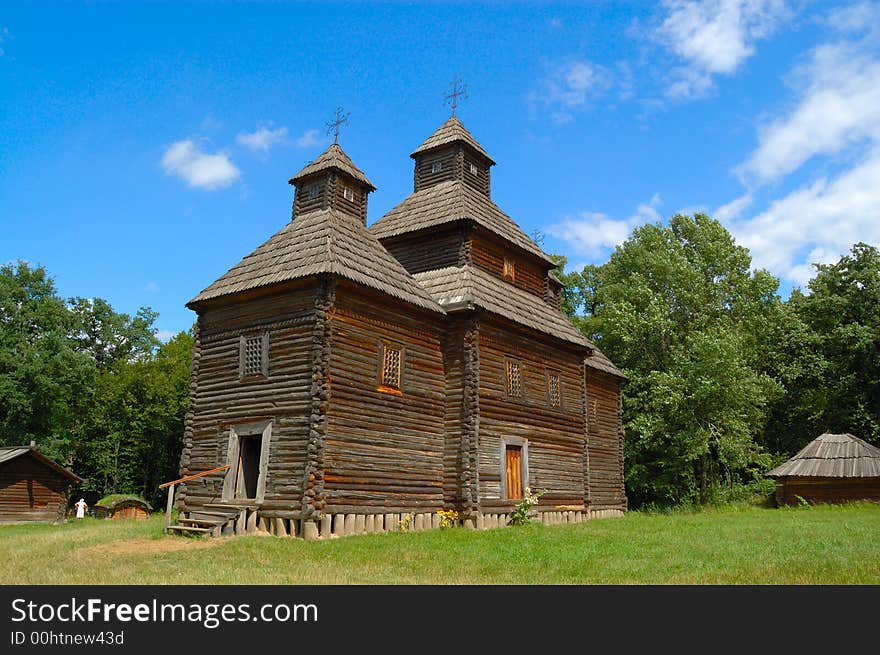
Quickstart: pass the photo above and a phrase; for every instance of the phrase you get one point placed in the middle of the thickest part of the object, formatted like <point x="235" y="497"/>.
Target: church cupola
<point x="332" y="181"/>
<point x="451" y="153"/>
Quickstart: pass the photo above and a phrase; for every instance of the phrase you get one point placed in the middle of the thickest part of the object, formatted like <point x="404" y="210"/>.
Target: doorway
<point x="248" y="466"/>
<point x="513" y="457"/>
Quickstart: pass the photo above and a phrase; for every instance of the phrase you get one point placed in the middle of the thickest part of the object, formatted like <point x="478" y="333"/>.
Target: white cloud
<point x="733" y="209"/>
<point x="569" y="86"/>
<point x="262" y="139"/>
<point x="713" y="37"/>
<point x="164" y="335"/>
<point x="197" y="168"/>
<point x="592" y="233"/>
<point x="309" y="139"/>
<point x="822" y="219"/>
<point x="839" y="106"/>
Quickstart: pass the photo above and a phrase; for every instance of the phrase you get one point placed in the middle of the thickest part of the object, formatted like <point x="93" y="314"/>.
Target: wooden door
<point x="514" y="472"/>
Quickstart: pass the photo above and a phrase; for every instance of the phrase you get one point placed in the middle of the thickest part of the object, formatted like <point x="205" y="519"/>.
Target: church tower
<point x="332" y="182"/>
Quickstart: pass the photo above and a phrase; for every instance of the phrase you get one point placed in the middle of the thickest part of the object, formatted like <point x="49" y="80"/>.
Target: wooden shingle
<point x="832" y="456"/>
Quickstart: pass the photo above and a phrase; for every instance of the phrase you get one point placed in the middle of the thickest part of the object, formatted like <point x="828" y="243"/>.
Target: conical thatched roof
<point x="832" y="456"/>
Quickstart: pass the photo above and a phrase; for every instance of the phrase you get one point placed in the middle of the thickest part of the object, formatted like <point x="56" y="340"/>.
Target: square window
<point x="509" y="271"/>
<point x="437" y="166"/>
<point x="314" y="191"/>
<point x="391" y="359"/>
<point x="474" y="170"/>
<point x="348" y="193"/>
<point x="514" y="379"/>
<point x="554" y="394"/>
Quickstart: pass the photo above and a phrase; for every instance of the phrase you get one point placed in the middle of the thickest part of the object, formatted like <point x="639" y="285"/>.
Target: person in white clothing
<point x="81" y="508"/>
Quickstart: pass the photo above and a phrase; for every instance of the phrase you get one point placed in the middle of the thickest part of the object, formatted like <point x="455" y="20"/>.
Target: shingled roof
<point x="833" y="456"/>
<point x="333" y="157"/>
<point x="448" y="202"/>
<point x="10" y="453"/>
<point x="599" y="361"/>
<point x="451" y="131"/>
<point x="324" y="241"/>
<point x="469" y="286"/>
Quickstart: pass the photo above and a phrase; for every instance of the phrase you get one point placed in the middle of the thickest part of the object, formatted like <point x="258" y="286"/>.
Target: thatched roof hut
<point x="122" y="506"/>
<point x="833" y="468"/>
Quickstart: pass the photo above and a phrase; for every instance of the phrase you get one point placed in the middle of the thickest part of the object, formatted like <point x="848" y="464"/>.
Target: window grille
<point x="314" y="191"/>
<point x="391" y="367"/>
<point x="553" y="390"/>
<point x="437" y="166"/>
<point x="348" y="193"/>
<point x="514" y="381"/>
<point x="252" y="358"/>
<point x="473" y="168"/>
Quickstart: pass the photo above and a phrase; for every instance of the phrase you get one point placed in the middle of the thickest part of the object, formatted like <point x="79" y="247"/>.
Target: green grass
<point x="816" y="545"/>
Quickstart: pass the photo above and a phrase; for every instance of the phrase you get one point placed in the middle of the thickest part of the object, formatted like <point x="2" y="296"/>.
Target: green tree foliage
<point x="678" y="309"/>
<point x="827" y="354"/>
<point x="92" y="386"/>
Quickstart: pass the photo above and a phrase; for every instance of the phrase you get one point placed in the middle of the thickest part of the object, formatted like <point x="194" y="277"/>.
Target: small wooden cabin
<point x="833" y="468"/>
<point x="122" y="506"/>
<point x="32" y="486"/>
<point x="346" y="377"/>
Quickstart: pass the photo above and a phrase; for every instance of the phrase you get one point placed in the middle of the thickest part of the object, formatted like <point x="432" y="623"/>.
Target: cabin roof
<point x="599" y="361"/>
<point x="451" y="131"/>
<point x="12" y="452"/>
<point x="832" y="456"/>
<point x="317" y="242"/>
<point x="333" y="157"/>
<point x="463" y="286"/>
<point x="451" y="201"/>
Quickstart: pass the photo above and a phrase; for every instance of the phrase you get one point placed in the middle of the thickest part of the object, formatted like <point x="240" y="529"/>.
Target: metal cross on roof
<point x="459" y="90"/>
<point x="334" y="125"/>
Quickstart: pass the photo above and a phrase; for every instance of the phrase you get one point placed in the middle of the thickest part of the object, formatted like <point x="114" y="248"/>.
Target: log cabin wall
<point x="222" y="399"/>
<point x="427" y="250"/>
<point x="826" y="490"/>
<point x="357" y="206"/>
<point x="384" y="448"/>
<point x="303" y="199"/>
<point x="426" y="167"/>
<point x="555" y="434"/>
<point x="488" y="253"/>
<point x="605" y="441"/>
<point x="31" y="491"/>
<point x="474" y="171"/>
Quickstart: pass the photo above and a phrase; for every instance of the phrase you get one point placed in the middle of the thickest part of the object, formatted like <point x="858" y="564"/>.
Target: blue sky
<point x="144" y="149"/>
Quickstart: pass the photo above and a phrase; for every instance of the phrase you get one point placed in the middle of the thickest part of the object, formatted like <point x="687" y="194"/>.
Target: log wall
<point x="488" y="253"/>
<point x="427" y="251"/>
<point x="31" y="491"/>
<point x="219" y="398"/>
<point x="605" y="441"/>
<point x="826" y="490"/>
<point x="383" y="449"/>
<point x="555" y="435"/>
<point x="424" y="177"/>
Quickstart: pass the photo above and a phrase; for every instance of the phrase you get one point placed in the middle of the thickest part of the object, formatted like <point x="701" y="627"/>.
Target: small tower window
<point x="253" y="355"/>
<point x="509" y="271"/>
<point x="514" y="379"/>
<point x="554" y="394"/>
<point x="389" y="376"/>
<point x="314" y="191"/>
<point x="348" y="193"/>
<point x="473" y="167"/>
<point x="437" y="166"/>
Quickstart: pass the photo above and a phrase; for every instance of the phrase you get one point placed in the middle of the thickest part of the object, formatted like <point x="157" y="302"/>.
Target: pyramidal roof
<point x="324" y="241"/>
<point x="833" y="456"/>
<point x="451" y="131"/>
<point x="451" y="201"/>
<point x="333" y="157"/>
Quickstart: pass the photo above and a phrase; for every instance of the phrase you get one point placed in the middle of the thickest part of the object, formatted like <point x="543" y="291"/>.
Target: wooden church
<point x="348" y="378"/>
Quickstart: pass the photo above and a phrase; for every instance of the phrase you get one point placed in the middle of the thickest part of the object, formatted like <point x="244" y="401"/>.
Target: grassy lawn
<point x="816" y="545"/>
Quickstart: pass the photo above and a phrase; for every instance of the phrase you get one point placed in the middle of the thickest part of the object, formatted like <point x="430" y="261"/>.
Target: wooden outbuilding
<point x="349" y="377"/>
<point x="32" y="486"/>
<point x="833" y="468"/>
<point x="122" y="506"/>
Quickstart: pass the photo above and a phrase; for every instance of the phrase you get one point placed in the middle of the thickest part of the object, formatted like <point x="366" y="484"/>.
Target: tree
<point x="111" y="337"/>
<point x="828" y="354"/>
<point x="46" y="383"/>
<point x="678" y="309"/>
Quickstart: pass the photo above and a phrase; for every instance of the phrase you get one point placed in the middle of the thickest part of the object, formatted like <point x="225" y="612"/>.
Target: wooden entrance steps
<point x="214" y="520"/>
